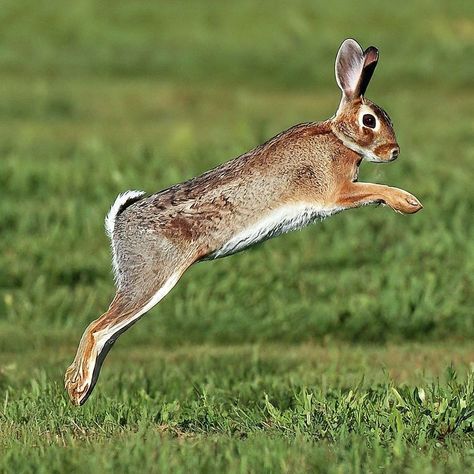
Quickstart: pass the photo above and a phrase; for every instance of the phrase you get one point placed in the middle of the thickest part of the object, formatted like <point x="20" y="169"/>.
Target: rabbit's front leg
<point x="361" y="194"/>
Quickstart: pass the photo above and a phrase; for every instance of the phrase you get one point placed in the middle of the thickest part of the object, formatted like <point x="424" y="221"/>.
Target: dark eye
<point x="368" y="120"/>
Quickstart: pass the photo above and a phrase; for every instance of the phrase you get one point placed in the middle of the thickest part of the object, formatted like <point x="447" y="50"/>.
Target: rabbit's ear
<point x="371" y="57"/>
<point x="349" y="66"/>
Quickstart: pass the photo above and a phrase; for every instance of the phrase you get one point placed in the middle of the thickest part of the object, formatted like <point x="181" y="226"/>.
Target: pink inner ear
<point x="371" y="55"/>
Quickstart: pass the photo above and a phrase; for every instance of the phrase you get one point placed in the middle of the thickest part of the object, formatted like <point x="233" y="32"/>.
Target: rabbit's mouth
<point x="383" y="153"/>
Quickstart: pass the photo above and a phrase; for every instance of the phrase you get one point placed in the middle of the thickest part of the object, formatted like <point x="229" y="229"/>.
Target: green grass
<point x="307" y="353"/>
<point x="246" y="408"/>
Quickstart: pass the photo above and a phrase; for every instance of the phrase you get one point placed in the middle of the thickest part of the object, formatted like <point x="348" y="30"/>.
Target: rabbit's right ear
<point x="349" y="67"/>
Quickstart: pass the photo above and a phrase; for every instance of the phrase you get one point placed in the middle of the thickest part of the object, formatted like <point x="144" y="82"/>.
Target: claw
<point x="72" y="382"/>
<point x="404" y="202"/>
<point x="412" y="201"/>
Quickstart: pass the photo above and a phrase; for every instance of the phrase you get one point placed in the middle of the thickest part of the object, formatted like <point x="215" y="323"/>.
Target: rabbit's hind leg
<point x="125" y="309"/>
<point x="147" y="266"/>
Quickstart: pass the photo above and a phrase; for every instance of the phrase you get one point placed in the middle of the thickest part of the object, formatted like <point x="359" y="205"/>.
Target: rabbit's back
<point x="258" y="195"/>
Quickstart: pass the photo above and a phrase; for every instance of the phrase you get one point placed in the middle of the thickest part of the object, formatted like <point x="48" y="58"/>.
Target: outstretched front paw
<point x="404" y="202"/>
<point x="77" y="383"/>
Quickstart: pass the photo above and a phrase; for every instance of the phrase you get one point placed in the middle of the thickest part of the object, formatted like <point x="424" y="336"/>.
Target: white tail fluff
<point x="121" y="200"/>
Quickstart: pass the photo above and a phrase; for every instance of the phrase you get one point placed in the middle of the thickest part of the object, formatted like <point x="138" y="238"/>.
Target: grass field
<point x="346" y="347"/>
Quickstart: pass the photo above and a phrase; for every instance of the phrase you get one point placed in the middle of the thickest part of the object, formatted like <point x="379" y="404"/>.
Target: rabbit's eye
<point x="369" y="120"/>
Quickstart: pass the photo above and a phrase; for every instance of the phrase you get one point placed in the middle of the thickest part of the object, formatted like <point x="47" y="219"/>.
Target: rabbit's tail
<point x="121" y="203"/>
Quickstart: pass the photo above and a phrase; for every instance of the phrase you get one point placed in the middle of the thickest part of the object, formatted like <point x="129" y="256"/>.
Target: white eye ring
<point x="365" y="110"/>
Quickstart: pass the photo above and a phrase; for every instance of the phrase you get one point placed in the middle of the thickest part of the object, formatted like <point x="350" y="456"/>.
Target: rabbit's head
<point x="360" y="124"/>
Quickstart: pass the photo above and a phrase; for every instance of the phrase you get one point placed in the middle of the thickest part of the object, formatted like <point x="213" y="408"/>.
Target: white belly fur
<point x="279" y="221"/>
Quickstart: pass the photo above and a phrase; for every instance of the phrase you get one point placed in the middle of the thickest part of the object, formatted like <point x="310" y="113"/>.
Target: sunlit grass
<point x="341" y="348"/>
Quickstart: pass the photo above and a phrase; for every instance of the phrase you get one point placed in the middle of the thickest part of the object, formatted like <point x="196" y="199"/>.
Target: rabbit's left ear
<point x="354" y="68"/>
<point x="371" y="57"/>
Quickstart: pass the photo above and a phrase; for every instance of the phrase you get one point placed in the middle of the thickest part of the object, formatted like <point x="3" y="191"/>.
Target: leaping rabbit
<point x="303" y="174"/>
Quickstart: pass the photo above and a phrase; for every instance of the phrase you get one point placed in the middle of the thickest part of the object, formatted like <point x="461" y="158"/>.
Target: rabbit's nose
<point x="395" y="153"/>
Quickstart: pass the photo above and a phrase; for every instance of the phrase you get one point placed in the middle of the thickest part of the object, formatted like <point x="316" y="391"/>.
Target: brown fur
<point x="156" y="238"/>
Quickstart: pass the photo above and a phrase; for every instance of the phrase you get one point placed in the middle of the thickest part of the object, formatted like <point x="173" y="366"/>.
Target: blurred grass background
<point x="100" y="97"/>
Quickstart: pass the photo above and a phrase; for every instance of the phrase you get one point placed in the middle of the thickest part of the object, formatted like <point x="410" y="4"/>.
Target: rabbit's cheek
<point x="366" y="137"/>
